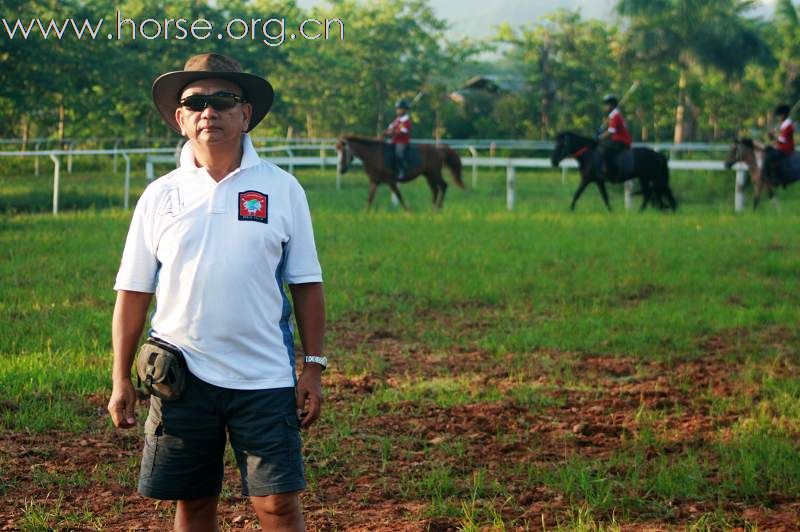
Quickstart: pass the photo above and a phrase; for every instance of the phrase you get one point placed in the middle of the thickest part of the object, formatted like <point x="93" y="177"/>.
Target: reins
<point x="580" y="152"/>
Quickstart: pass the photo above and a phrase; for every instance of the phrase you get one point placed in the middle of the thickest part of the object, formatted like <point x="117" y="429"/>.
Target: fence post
<point x="628" y="194"/>
<point x="127" y="178"/>
<point x="116" y="147"/>
<point x="149" y="171"/>
<point x="474" y="153"/>
<point x="339" y="156"/>
<point x="69" y="158"/>
<point x="291" y="160"/>
<point x="510" y="178"/>
<point x="738" y="197"/>
<point x="56" y="179"/>
<point x="322" y="158"/>
<point x="36" y="160"/>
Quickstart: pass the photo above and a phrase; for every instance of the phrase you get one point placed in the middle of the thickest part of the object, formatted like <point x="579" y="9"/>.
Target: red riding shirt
<point x="785" y="142"/>
<point x="401" y="129"/>
<point x="618" y="129"/>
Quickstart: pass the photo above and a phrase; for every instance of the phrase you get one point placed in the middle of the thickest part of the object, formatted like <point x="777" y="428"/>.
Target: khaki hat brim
<point x="167" y="89"/>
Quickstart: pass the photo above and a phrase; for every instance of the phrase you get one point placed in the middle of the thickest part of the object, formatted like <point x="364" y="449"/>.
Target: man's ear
<point x="247" y="112"/>
<point x="179" y="119"/>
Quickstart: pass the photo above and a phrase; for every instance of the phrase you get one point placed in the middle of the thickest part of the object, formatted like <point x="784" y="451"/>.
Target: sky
<point x="479" y="18"/>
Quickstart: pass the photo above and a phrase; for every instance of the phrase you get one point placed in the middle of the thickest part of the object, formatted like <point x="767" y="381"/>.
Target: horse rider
<point x="400" y="131"/>
<point x="784" y="144"/>
<point x="615" y="138"/>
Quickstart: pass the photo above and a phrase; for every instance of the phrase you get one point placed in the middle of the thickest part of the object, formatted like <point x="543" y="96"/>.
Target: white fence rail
<point x="289" y="159"/>
<point x="329" y="143"/>
<point x="510" y="164"/>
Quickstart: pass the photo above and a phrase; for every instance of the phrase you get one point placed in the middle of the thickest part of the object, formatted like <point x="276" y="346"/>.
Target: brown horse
<point x="744" y="150"/>
<point x="371" y="152"/>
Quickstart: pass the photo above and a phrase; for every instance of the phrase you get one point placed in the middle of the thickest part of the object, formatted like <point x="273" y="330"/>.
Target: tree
<point x="785" y="40"/>
<point x="689" y="33"/>
<point x="568" y="64"/>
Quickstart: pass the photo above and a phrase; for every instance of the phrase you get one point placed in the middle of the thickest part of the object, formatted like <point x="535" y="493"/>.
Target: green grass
<point x="473" y="278"/>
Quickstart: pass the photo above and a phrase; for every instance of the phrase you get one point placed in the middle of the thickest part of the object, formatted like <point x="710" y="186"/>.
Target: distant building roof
<point x="488" y="84"/>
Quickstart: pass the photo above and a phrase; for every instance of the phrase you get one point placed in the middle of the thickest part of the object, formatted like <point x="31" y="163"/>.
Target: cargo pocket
<point x="293" y="453"/>
<point x="153" y="430"/>
<point x="293" y="431"/>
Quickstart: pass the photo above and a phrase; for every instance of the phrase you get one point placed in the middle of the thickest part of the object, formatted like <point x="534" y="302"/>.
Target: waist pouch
<point x="161" y="369"/>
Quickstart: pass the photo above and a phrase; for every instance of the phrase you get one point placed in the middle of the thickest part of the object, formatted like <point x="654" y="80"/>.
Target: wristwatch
<point x="322" y="361"/>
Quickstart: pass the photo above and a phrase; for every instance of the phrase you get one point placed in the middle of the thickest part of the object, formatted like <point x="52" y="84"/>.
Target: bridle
<point x="345" y="157"/>
<point x="580" y="152"/>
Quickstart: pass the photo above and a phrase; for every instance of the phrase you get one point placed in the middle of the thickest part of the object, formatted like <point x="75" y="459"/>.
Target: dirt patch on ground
<point x="381" y="478"/>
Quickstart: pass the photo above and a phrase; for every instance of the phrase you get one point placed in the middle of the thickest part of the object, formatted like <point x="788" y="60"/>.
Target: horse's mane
<point x="589" y="140"/>
<point x="362" y="139"/>
<point x="747" y="141"/>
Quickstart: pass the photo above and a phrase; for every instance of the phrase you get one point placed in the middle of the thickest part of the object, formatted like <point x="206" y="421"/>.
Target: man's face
<point x="400" y="111"/>
<point x="210" y="125"/>
<point x="609" y="107"/>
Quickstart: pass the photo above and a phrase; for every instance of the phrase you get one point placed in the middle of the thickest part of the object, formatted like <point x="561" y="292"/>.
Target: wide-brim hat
<point x="167" y="87"/>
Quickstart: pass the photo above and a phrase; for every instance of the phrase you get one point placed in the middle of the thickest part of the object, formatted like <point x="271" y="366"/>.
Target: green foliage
<point x="734" y="66"/>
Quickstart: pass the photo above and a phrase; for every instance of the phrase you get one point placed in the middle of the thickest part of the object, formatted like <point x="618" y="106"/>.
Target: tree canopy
<point x="706" y="69"/>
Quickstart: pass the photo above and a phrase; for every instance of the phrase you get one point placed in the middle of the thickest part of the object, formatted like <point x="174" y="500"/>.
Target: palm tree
<point x="786" y="42"/>
<point x="687" y="33"/>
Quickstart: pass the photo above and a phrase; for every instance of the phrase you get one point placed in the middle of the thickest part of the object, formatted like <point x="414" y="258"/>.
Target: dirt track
<point x="96" y="471"/>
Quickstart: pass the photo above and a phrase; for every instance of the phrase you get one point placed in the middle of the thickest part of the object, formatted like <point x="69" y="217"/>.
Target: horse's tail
<point x="453" y="162"/>
<point x="666" y="189"/>
<point x="665" y="169"/>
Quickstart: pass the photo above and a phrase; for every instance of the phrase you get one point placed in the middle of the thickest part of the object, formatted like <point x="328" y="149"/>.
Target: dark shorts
<point x="184" y="442"/>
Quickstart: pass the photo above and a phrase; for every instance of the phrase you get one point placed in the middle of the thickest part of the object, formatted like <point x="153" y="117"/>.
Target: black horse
<point x="649" y="166"/>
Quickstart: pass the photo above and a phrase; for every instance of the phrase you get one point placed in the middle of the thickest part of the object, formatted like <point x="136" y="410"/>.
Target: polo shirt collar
<point x="249" y="155"/>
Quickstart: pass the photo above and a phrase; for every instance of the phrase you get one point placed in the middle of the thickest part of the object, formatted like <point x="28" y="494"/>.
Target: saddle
<point x="789" y="170"/>
<point x="624" y="163"/>
<point x="413" y="158"/>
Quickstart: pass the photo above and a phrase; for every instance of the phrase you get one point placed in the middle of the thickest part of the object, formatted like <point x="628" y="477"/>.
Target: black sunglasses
<point x="220" y="101"/>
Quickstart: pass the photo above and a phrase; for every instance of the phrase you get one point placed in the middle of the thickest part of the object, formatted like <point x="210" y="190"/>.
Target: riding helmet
<point x="782" y="109"/>
<point x="402" y="104"/>
<point x="610" y="98"/>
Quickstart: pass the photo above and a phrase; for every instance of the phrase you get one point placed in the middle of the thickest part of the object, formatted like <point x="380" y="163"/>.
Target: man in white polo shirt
<point x="215" y="240"/>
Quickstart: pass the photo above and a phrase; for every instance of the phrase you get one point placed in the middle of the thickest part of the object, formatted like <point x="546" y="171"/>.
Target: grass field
<point x="536" y="369"/>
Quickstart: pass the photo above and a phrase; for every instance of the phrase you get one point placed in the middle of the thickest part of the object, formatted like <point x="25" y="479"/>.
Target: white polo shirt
<point x="216" y="255"/>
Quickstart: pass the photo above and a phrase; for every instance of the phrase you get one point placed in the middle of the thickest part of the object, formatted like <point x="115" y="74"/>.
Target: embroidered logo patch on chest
<point x="253" y="206"/>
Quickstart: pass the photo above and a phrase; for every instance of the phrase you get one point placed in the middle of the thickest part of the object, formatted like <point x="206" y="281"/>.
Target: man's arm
<point x="130" y="313"/>
<point x="309" y="308"/>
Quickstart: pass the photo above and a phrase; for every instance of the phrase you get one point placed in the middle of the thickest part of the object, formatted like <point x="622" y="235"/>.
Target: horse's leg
<point x="434" y="189"/>
<point x="773" y="198"/>
<point x="757" y="193"/>
<point x="647" y="193"/>
<point x="672" y="202"/>
<point x="435" y="180"/>
<point x="603" y="192"/>
<point x="581" y="188"/>
<point x="396" y="190"/>
<point x="373" y="188"/>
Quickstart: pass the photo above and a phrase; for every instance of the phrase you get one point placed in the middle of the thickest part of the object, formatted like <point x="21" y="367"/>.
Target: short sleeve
<point x="302" y="264"/>
<point x="139" y="267"/>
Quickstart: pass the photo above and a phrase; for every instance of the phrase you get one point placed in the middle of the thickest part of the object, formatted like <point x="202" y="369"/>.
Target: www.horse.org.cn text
<point x="270" y="31"/>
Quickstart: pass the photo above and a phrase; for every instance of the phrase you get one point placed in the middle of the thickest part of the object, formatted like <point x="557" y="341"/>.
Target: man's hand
<point x="309" y="394"/>
<point x="309" y="309"/>
<point x="130" y="311"/>
<point x="121" y="404"/>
